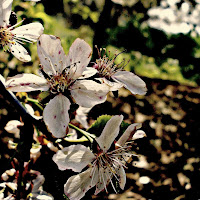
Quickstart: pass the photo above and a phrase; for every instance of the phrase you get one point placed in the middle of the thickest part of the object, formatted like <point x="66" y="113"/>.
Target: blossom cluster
<point x="64" y="80"/>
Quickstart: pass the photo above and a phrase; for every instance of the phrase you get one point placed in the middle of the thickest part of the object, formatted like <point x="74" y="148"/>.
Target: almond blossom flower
<point x="63" y="79"/>
<point x="103" y="165"/>
<point x="116" y="77"/>
<point x="11" y="38"/>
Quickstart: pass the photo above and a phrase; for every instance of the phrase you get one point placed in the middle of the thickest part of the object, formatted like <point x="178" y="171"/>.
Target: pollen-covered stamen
<point x="105" y="64"/>
<point x="58" y="83"/>
<point x="22" y="40"/>
<point x="61" y="81"/>
<point x="6" y="36"/>
<point x="118" y="155"/>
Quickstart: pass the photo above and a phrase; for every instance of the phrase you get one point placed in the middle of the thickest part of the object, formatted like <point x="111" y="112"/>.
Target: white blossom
<point x="63" y="77"/>
<point x="11" y="38"/>
<point x="106" y="163"/>
<point x="116" y="77"/>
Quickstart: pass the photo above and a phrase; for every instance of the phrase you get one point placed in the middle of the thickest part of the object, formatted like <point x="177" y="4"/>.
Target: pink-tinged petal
<point x="139" y="134"/>
<point x="131" y="81"/>
<point x="88" y="72"/>
<point x="26" y="83"/>
<point x="56" y="115"/>
<point x="110" y="132"/>
<point x="122" y="177"/>
<point x="74" y="157"/>
<point x="76" y="186"/>
<point x="104" y="177"/>
<point x="30" y="31"/>
<point x="88" y="93"/>
<point x="19" y="52"/>
<point x="78" y="57"/>
<point x="51" y="54"/>
<point x="127" y="135"/>
<point x="5" y="11"/>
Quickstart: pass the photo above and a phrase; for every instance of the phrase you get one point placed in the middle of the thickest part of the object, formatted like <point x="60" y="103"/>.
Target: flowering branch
<point x="24" y="114"/>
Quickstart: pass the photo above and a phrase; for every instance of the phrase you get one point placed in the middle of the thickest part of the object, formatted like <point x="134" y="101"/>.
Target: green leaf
<point x="97" y="127"/>
<point x="124" y="126"/>
<point x="44" y="97"/>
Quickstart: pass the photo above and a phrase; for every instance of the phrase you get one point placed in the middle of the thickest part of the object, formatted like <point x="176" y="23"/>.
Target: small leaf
<point x="97" y="127"/>
<point x="44" y="97"/>
<point x="123" y="127"/>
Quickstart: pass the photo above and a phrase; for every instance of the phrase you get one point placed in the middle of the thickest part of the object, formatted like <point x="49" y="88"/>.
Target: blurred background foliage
<point x="118" y="25"/>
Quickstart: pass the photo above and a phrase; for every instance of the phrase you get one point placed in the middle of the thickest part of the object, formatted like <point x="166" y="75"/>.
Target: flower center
<point x="106" y="66"/>
<point x="59" y="83"/>
<point x="6" y="36"/>
<point x="111" y="161"/>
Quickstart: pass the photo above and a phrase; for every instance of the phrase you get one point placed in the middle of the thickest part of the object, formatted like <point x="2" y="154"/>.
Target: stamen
<point x="113" y="186"/>
<point x="16" y="24"/>
<point x="19" y="39"/>
<point x="105" y="64"/>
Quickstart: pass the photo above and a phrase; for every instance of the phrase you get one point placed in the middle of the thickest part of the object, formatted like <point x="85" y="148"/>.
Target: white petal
<point x="56" y="115"/>
<point x="105" y="175"/>
<point x="12" y="126"/>
<point x="139" y="134"/>
<point x="30" y="31"/>
<point x="131" y="81"/>
<point x="88" y="93"/>
<point x="51" y="54"/>
<point x="5" y="10"/>
<point x="41" y="195"/>
<point x="88" y="72"/>
<point x="74" y="157"/>
<point x="26" y="83"/>
<point x="114" y="86"/>
<point x="78" y="57"/>
<point x="37" y="182"/>
<point x="110" y="132"/>
<point x="76" y="186"/>
<point x="19" y="52"/>
<point x="2" y="79"/>
<point x="81" y="116"/>
<point x="31" y="111"/>
<point x="122" y="177"/>
<point x="127" y="135"/>
<point x="72" y="134"/>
